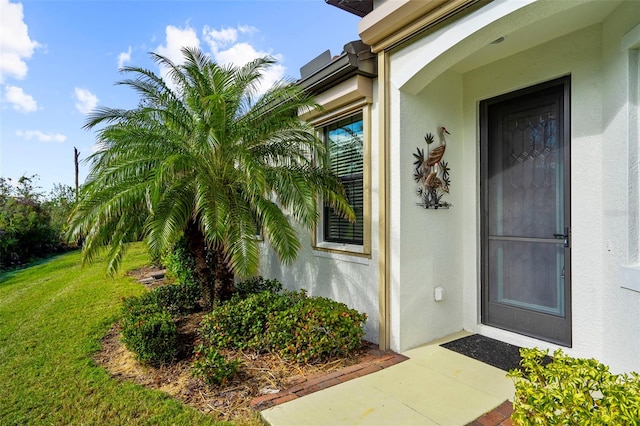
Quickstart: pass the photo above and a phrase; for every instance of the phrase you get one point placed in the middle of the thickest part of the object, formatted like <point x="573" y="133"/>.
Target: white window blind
<point x="344" y="141"/>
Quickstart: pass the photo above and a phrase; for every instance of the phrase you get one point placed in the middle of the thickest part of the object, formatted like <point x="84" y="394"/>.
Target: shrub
<point x="256" y="285"/>
<point x="241" y="323"/>
<point x="298" y="327"/>
<point x="152" y="336"/>
<point x="572" y="391"/>
<point x="184" y="296"/>
<point x="178" y="299"/>
<point x="316" y="329"/>
<point x="133" y="307"/>
<point x="212" y="367"/>
<point x="148" y="330"/>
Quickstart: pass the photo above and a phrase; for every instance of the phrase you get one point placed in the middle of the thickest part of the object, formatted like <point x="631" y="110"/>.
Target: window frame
<point x="319" y="243"/>
<point x="335" y="228"/>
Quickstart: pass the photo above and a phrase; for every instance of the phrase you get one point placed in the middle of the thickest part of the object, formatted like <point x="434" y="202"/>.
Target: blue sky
<point x="60" y="59"/>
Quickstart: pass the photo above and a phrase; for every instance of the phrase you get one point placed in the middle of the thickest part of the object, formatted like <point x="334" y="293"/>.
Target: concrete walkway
<point x="435" y="386"/>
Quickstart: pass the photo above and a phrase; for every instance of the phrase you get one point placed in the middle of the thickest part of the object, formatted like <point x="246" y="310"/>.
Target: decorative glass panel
<point x="525" y="177"/>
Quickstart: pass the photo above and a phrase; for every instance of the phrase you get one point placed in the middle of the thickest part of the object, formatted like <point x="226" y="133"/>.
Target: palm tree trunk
<point x="203" y="273"/>
<point x="224" y="277"/>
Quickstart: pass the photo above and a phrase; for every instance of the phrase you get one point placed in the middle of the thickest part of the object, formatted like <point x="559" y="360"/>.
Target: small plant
<point x="212" y="367"/>
<point x="132" y="307"/>
<point x="148" y="330"/>
<point x="572" y="391"/>
<point x="179" y="263"/>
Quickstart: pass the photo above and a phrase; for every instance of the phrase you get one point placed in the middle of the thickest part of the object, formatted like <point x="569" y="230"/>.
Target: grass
<point x="52" y="317"/>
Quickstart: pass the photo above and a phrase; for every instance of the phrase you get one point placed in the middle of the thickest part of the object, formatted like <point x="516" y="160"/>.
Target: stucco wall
<point x="621" y="306"/>
<point x="347" y="279"/>
<point x="442" y="248"/>
<point x="428" y="242"/>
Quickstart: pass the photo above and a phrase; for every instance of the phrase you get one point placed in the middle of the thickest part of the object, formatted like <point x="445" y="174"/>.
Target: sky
<point x="60" y="59"/>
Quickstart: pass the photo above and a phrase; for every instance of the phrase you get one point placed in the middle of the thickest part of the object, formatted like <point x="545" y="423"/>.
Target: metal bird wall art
<point x="432" y="173"/>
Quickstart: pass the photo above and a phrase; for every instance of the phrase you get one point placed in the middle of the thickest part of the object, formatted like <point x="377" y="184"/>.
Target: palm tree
<point x="206" y="157"/>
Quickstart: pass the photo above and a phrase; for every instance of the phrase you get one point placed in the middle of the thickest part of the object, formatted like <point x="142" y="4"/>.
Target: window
<point x="344" y="141"/>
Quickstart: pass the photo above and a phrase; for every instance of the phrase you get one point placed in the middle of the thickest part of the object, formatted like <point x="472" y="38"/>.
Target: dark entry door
<point x="526" y="241"/>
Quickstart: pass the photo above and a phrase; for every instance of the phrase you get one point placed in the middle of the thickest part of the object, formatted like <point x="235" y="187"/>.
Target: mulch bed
<point x="263" y="379"/>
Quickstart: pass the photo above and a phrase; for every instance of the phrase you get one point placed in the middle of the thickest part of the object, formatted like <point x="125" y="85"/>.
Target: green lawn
<point x="52" y="317"/>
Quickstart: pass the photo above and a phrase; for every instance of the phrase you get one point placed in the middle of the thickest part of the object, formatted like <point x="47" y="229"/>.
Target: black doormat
<point x="493" y="352"/>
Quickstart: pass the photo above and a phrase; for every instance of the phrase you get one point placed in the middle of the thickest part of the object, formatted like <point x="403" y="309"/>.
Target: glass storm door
<point x="526" y="239"/>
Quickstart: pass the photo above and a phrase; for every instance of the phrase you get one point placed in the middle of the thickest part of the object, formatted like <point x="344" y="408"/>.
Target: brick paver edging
<point x="374" y="361"/>
<point x="499" y="416"/>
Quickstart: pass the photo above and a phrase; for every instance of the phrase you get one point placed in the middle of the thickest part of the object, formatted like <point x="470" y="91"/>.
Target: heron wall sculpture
<point x="432" y="173"/>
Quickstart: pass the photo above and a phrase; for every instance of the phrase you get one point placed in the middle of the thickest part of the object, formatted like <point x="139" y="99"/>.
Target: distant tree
<point x="6" y="239"/>
<point x="6" y="190"/>
<point x="205" y="156"/>
<point x="27" y="190"/>
<point x="60" y="203"/>
<point x="26" y="232"/>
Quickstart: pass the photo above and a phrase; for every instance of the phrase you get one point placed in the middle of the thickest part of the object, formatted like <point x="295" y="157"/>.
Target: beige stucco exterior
<point x="439" y="79"/>
<point x="436" y="63"/>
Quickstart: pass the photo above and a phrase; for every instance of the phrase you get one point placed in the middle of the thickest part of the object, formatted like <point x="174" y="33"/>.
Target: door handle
<point x="564" y="236"/>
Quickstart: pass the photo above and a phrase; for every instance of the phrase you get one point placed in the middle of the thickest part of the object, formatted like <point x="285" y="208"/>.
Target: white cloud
<point x="216" y="38"/>
<point x="220" y="39"/>
<point x="15" y="43"/>
<point x="227" y="46"/>
<point x="238" y="54"/>
<point x="227" y="49"/>
<point x="85" y="100"/>
<point x="176" y="39"/>
<point x="242" y="53"/>
<point x="19" y="100"/>
<point x="41" y="136"/>
<point x="124" y="58"/>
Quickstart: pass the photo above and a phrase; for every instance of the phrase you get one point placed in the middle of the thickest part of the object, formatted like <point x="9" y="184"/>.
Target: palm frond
<point x="205" y="148"/>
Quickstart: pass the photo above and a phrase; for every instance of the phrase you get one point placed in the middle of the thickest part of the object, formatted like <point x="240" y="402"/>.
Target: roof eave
<point x="357" y="7"/>
<point x="340" y="69"/>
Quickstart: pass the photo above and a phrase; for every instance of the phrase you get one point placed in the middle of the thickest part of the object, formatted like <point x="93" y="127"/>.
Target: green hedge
<point x="256" y="285"/>
<point x="242" y="323"/>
